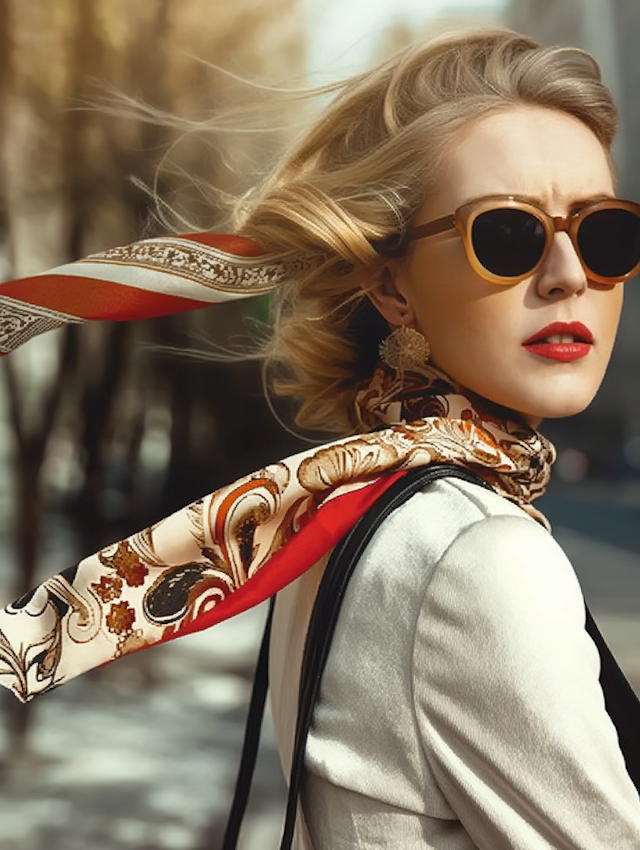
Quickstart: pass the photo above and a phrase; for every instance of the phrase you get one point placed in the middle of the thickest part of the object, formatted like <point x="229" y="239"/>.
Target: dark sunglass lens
<point x="508" y="242"/>
<point x="609" y="241"/>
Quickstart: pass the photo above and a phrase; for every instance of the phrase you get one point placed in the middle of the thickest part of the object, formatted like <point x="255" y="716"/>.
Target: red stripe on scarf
<point x="322" y="531"/>
<point x="90" y="298"/>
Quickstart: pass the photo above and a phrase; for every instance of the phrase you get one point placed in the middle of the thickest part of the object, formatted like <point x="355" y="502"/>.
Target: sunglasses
<point x="507" y="239"/>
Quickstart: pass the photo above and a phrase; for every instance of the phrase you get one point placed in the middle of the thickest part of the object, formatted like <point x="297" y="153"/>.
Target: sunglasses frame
<point x="463" y="218"/>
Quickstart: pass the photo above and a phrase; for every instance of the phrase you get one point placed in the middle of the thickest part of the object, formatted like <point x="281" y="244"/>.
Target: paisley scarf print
<point x="244" y="542"/>
<point x="429" y="394"/>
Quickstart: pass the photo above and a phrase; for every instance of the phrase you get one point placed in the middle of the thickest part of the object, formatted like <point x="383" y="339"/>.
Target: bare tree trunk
<point x="97" y="404"/>
<point x="5" y="71"/>
<point x="31" y="441"/>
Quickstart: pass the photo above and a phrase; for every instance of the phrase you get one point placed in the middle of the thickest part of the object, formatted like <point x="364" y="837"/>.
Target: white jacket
<point x="460" y="707"/>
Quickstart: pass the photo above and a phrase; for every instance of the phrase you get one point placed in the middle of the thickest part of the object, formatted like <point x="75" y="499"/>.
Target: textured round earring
<point x="404" y="347"/>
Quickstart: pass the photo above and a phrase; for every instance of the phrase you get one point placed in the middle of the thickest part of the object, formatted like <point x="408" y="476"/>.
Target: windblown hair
<point x="344" y="196"/>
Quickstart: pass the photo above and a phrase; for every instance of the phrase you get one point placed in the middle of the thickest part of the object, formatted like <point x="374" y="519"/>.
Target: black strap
<point x="621" y="702"/>
<point x="314" y="657"/>
<point x="251" y="738"/>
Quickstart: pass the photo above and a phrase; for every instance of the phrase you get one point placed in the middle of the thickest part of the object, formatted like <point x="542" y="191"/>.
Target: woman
<point x="460" y="706"/>
<point x="462" y="197"/>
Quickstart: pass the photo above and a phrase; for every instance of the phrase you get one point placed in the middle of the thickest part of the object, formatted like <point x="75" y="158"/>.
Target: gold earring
<point x="404" y="347"/>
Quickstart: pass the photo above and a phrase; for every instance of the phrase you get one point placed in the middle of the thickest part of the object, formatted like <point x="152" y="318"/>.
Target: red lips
<point x="561" y="351"/>
<point x="580" y="332"/>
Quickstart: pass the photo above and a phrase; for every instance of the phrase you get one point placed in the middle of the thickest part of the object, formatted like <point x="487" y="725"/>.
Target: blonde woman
<point x="450" y="259"/>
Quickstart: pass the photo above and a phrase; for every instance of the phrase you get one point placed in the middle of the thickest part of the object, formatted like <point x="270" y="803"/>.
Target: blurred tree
<point x="91" y="419"/>
<point x="5" y="24"/>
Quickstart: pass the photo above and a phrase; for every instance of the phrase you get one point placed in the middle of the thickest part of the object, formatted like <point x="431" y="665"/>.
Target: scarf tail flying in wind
<point x="236" y="547"/>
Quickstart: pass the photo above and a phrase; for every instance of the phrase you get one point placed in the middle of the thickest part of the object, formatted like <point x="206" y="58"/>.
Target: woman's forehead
<point x="526" y="151"/>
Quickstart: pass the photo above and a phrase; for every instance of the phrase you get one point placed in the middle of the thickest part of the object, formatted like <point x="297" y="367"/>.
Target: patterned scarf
<point x="238" y="546"/>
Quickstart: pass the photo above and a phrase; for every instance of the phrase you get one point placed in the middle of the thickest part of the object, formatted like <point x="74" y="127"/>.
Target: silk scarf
<point x="241" y="544"/>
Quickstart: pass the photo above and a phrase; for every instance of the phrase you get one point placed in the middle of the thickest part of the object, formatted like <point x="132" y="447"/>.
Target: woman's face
<point x="476" y="329"/>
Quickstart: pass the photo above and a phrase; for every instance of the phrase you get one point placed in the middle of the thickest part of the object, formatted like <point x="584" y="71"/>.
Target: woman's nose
<point x="561" y="273"/>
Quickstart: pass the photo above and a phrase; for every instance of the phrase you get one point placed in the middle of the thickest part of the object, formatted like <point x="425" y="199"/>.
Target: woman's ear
<point x="387" y="295"/>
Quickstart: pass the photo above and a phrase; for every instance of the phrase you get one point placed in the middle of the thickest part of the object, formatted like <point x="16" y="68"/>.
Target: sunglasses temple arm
<point x="448" y="222"/>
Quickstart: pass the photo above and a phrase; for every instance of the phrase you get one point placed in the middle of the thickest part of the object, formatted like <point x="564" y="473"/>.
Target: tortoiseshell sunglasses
<point x="506" y="239"/>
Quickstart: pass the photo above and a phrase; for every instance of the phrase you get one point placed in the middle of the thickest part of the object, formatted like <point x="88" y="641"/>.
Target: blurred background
<point x="102" y="432"/>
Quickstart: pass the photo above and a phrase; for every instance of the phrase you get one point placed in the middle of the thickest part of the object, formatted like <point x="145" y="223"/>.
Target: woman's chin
<point x="553" y="403"/>
<point x="561" y="391"/>
<point x="553" y="407"/>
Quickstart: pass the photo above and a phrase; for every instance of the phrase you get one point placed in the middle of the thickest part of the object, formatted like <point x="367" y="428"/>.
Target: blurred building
<point x="609" y="30"/>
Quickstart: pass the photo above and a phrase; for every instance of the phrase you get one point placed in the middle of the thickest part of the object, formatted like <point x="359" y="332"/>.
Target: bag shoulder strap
<point x="251" y="741"/>
<point x="621" y="702"/>
<point x="318" y="638"/>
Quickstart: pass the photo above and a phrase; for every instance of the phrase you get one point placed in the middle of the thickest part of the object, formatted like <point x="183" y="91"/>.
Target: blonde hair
<point x="351" y="186"/>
